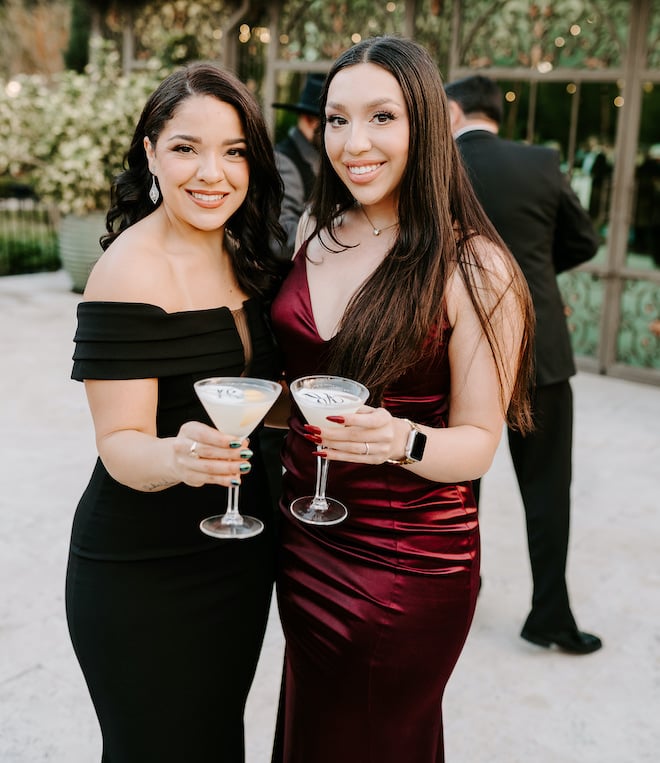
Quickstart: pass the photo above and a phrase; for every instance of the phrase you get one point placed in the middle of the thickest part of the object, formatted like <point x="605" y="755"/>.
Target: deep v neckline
<point x="302" y="252"/>
<point x="310" y="304"/>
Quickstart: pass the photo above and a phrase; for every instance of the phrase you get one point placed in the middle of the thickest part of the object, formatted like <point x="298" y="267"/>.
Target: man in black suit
<point x="540" y="218"/>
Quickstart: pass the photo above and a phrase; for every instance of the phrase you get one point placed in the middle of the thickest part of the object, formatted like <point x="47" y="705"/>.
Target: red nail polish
<point x="320" y="453"/>
<point x="313" y="438"/>
<point x="311" y="429"/>
<point x="336" y="419"/>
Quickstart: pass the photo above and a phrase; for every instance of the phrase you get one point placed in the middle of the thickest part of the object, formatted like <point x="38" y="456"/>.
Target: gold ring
<point x="366" y="449"/>
<point x="193" y="449"/>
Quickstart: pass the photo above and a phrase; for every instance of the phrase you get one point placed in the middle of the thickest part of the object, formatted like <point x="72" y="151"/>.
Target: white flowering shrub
<point x="67" y="136"/>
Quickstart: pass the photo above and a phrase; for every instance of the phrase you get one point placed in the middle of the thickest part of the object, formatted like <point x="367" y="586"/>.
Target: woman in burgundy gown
<point x="401" y="283"/>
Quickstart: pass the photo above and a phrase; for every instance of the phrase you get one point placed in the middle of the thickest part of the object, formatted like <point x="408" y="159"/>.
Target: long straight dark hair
<point x="255" y="223"/>
<point x="439" y="216"/>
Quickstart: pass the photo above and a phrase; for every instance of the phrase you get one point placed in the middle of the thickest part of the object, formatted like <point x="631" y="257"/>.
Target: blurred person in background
<point x="540" y="218"/>
<point x="297" y="156"/>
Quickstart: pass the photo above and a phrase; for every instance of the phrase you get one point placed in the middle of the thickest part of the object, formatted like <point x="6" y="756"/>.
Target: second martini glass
<point x="235" y="405"/>
<point x="318" y="397"/>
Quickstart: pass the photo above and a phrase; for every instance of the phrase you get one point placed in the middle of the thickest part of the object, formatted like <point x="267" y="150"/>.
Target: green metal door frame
<point x="631" y="76"/>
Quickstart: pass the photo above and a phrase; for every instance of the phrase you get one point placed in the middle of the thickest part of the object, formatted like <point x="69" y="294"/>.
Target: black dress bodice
<point x="118" y="340"/>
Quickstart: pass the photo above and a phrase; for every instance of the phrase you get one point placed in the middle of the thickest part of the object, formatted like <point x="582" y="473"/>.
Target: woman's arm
<point x="465" y="449"/>
<point x="124" y="411"/>
<point x="124" y="414"/>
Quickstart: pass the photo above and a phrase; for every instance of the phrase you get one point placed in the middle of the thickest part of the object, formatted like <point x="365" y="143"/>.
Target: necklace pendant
<point x="376" y="231"/>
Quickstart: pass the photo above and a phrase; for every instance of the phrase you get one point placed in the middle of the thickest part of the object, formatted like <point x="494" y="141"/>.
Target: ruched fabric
<point x="118" y="340"/>
<point x="375" y="609"/>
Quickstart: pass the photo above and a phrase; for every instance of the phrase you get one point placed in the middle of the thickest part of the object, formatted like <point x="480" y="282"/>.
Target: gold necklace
<point x="376" y="231"/>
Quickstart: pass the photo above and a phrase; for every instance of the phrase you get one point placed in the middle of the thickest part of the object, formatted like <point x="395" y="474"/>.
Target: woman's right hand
<point x="205" y="456"/>
<point x="124" y="414"/>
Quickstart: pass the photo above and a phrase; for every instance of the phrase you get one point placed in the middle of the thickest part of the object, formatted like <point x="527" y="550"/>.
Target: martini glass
<point x="235" y="405"/>
<point x="318" y="397"/>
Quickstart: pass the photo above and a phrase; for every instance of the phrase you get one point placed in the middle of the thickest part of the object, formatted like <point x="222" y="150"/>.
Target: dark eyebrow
<point x="370" y="105"/>
<point x="195" y="139"/>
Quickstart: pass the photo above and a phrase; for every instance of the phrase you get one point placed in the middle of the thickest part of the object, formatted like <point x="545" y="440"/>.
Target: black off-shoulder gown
<point x="167" y="623"/>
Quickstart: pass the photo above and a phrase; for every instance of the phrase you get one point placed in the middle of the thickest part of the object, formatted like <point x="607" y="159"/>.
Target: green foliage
<point x="316" y="30"/>
<point x="546" y="33"/>
<point x="181" y="30"/>
<point x="76" y="56"/>
<point x="28" y="244"/>
<point x="181" y="49"/>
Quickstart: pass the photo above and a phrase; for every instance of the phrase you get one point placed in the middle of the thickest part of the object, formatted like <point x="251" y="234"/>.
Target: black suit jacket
<point x="534" y="209"/>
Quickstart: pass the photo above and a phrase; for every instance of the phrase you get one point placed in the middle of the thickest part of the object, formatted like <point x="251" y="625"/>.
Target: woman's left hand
<point x="369" y="436"/>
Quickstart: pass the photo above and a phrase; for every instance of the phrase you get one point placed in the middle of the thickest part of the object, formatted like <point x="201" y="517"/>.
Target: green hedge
<point x="27" y="244"/>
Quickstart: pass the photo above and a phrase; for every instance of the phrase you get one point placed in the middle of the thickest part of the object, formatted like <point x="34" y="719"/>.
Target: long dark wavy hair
<point x="439" y="217"/>
<point x="253" y="227"/>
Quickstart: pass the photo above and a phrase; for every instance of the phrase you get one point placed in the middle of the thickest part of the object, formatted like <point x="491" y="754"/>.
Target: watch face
<point x="417" y="446"/>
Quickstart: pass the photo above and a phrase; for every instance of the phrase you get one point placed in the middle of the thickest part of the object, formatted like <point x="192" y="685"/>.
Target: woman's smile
<point x="207" y="199"/>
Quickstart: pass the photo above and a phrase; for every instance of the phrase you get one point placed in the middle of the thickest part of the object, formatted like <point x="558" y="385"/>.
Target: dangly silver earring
<point x="154" y="193"/>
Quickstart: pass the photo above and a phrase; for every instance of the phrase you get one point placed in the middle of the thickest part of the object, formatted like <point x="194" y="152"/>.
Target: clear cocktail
<point x="319" y="397"/>
<point x="317" y="404"/>
<point x="235" y="405"/>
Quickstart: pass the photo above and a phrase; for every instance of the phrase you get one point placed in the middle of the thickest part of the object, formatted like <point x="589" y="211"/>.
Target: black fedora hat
<point x="309" y="98"/>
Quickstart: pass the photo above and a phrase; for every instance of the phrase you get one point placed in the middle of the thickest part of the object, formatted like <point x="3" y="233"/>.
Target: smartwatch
<point x="415" y="445"/>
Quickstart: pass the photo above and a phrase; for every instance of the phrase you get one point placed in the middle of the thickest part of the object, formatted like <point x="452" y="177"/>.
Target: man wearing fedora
<point x="297" y="156"/>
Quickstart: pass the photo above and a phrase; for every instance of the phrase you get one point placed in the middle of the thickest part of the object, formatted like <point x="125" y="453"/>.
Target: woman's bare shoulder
<point x="490" y="264"/>
<point x="487" y="267"/>
<point x="128" y="269"/>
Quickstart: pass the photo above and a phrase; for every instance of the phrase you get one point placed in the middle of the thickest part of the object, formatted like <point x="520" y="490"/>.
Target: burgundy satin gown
<point x="376" y="609"/>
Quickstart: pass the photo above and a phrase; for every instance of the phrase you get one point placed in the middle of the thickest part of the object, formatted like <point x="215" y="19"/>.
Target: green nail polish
<point x="234" y="444"/>
<point x="247" y="453"/>
<point x="235" y="483"/>
<point x="245" y="468"/>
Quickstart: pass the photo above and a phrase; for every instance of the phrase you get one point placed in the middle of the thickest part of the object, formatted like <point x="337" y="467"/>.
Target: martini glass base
<point x="218" y="527"/>
<point x="308" y="510"/>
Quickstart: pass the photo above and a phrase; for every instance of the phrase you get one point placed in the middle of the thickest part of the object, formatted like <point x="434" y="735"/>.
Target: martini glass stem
<point x="319" y="502"/>
<point x="232" y="517"/>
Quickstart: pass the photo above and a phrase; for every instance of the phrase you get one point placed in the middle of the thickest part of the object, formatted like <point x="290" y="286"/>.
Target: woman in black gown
<point x="166" y="622"/>
<point x="400" y="282"/>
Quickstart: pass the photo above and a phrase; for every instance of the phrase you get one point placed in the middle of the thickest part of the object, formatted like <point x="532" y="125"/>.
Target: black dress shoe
<point x="574" y="641"/>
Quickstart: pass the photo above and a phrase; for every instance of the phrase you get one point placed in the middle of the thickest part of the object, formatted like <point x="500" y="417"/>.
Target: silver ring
<point x="193" y="449"/>
<point x="366" y="449"/>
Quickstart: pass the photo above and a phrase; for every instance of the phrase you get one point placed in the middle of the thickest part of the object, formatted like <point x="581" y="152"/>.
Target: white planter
<point x="79" y="245"/>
